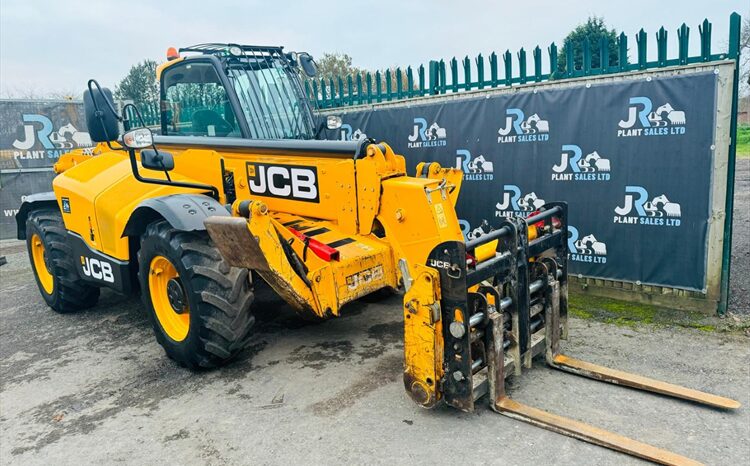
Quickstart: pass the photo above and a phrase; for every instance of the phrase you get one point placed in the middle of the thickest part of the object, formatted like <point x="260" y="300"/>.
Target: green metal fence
<point x="149" y="112"/>
<point x="441" y="77"/>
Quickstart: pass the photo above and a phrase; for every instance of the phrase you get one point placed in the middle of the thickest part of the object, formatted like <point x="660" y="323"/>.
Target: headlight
<point x="235" y="51"/>
<point x="333" y="122"/>
<point x="138" y="138"/>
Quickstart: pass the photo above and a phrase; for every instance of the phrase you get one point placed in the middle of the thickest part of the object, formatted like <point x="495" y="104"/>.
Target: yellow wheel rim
<point x="168" y="298"/>
<point x="39" y="256"/>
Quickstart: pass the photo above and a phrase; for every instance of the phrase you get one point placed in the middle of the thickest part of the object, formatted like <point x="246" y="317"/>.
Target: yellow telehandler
<point x="237" y="185"/>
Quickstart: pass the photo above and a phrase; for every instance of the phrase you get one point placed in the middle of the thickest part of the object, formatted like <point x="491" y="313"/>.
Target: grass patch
<point x="743" y="142"/>
<point x="627" y="314"/>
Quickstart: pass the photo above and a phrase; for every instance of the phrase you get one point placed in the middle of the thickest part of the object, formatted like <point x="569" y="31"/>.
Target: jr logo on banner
<point x="574" y="166"/>
<point x="518" y="128"/>
<point x="659" y="211"/>
<point x="54" y="143"/>
<point x="348" y="135"/>
<point x="514" y="204"/>
<point x="586" y="249"/>
<point x="642" y="121"/>
<point x="426" y="136"/>
<point x="474" y="168"/>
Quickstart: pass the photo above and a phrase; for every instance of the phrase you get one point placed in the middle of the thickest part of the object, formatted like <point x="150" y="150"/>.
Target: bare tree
<point x="36" y="94"/>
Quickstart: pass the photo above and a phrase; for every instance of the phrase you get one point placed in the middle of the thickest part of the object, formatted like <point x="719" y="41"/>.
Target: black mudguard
<point x="31" y="202"/>
<point x="184" y="212"/>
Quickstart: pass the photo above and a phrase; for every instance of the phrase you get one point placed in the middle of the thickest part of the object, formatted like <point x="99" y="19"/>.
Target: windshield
<point x="271" y="98"/>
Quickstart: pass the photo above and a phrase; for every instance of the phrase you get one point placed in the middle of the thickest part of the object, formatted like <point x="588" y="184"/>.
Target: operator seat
<point x="203" y="119"/>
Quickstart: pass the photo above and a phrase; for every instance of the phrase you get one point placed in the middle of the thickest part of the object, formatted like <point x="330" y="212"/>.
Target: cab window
<point x="195" y="103"/>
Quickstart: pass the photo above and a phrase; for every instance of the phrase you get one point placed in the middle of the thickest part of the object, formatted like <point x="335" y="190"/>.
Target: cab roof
<point x="223" y="49"/>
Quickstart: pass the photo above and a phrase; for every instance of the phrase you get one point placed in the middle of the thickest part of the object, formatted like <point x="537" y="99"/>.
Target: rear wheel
<point x="199" y="305"/>
<point x="53" y="263"/>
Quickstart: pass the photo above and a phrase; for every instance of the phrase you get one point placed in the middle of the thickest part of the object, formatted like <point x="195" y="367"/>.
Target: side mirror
<point x="162" y="161"/>
<point x="102" y="124"/>
<point x="308" y="64"/>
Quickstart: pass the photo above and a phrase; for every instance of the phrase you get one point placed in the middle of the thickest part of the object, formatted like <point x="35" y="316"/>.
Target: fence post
<point x="388" y="85"/>
<point x="332" y="87"/>
<point x="683" y="35"/>
<point x="604" y="55"/>
<point x="586" y="56"/>
<point x="454" y="74"/>
<point x="368" y="83"/>
<point x="552" y="50"/>
<point x="433" y="78"/>
<point x="661" y="46"/>
<point x="349" y="88"/>
<point x="642" y="41"/>
<point x="443" y="80"/>
<point x="735" y="24"/>
<point x="508" y="61"/>
<point x="570" y="63"/>
<point x="409" y="82"/>
<point x="399" y="84"/>
<point x="522" y="65"/>
<point x="480" y="71"/>
<point x="323" y="95"/>
<point x="467" y="73"/>
<point x="705" y="32"/>
<point x="493" y="69"/>
<point x="340" y="100"/>
<point x="622" y="52"/>
<point x="360" y="99"/>
<point x="538" y="64"/>
<point x="420" y="73"/>
<point x="378" y="87"/>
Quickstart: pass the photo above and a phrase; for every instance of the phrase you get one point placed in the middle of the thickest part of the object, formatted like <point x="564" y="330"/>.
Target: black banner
<point x="13" y="188"/>
<point x="632" y="158"/>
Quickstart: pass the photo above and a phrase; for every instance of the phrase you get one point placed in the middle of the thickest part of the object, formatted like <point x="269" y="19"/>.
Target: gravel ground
<point x="739" y="299"/>
<point x="95" y="388"/>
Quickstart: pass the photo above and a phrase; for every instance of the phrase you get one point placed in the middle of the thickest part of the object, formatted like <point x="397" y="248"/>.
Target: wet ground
<point x="95" y="388"/>
<point x="739" y="299"/>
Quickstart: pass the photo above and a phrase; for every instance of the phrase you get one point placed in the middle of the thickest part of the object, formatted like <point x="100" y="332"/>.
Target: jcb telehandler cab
<point x="237" y="186"/>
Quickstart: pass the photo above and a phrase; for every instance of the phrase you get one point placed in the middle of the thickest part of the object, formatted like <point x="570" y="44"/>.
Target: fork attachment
<point x="499" y="311"/>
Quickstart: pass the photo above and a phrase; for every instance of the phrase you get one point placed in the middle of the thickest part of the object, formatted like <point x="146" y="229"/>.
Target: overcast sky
<point x="56" y="45"/>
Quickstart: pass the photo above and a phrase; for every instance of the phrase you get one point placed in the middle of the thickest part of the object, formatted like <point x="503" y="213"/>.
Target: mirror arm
<point x="168" y="182"/>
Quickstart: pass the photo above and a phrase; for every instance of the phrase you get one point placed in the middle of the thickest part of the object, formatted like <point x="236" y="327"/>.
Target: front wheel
<point x="53" y="263"/>
<point x="199" y="305"/>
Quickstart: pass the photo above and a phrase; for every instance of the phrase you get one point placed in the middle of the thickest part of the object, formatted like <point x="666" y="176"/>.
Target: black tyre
<point x="199" y="305"/>
<point x="53" y="263"/>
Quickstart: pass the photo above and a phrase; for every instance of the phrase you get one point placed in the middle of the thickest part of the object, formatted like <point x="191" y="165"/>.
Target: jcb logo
<point x="441" y="264"/>
<point x="99" y="270"/>
<point x="285" y="181"/>
<point x="453" y="270"/>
